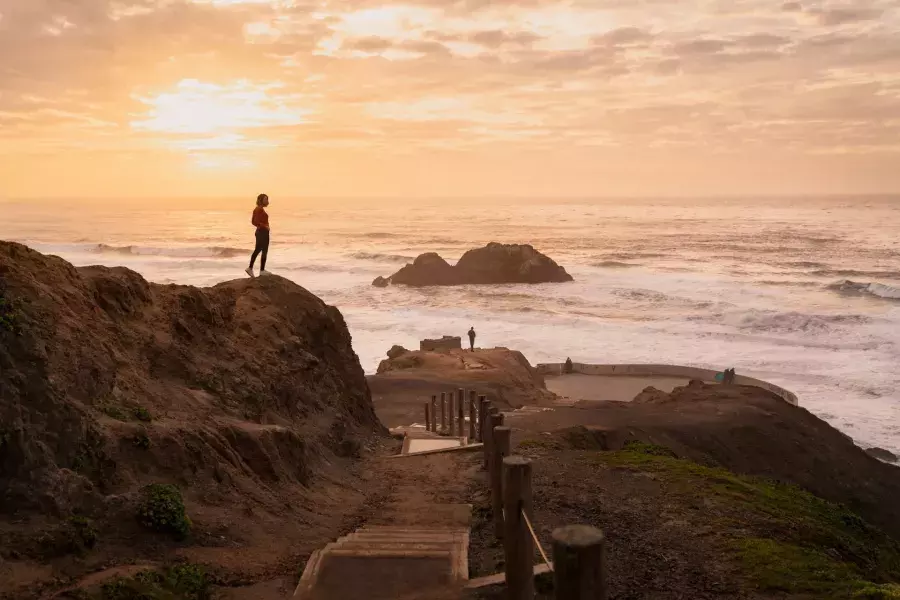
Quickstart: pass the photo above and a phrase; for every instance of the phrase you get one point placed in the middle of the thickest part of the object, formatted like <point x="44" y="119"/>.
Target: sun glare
<point x="207" y="108"/>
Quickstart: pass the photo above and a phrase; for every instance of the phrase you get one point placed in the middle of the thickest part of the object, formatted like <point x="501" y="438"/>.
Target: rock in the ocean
<point x="882" y="454"/>
<point x="493" y="264"/>
<point x="381" y="282"/>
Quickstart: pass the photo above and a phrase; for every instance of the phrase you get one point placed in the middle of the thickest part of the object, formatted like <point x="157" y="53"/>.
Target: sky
<point x="186" y="98"/>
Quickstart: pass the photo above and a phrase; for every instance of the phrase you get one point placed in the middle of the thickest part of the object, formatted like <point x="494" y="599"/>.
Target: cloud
<point x="206" y="76"/>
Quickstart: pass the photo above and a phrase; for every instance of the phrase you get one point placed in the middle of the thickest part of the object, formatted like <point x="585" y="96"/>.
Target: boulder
<point x="396" y="352"/>
<point x="882" y="454"/>
<point x="492" y="264"/>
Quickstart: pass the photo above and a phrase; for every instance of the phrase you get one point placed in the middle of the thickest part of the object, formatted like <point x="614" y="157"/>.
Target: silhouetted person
<point x="260" y="220"/>
<point x="472" y="339"/>
<point x="569" y="367"/>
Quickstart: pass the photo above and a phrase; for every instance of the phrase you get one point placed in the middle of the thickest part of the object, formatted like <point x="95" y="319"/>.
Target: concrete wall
<point x="663" y="371"/>
<point x="445" y="343"/>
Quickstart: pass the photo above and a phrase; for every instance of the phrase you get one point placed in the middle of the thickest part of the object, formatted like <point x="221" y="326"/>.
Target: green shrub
<point x="184" y="582"/>
<point x="84" y="531"/>
<point x="162" y="510"/>
<point x="9" y="316"/>
<point x="75" y="536"/>
<point x="114" y="412"/>
<point x="142" y="414"/>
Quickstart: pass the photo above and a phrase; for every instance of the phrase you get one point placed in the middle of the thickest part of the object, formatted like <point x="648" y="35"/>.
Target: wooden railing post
<point x="579" y="563"/>
<point x="434" y="413"/>
<point x="473" y="416"/>
<point x="479" y="432"/>
<point x="517" y="541"/>
<point x="443" y="413"/>
<point x="461" y="412"/>
<point x="500" y="441"/>
<point x="488" y="437"/>
<point x="450" y="418"/>
<point x="427" y="417"/>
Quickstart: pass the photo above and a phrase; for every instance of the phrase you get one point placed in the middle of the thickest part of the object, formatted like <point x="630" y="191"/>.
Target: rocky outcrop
<point x="396" y="352"/>
<point x="243" y="392"/>
<point x="882" y="454"/>
<point x="505" y="376"/>
<point x="446" y="343"/>
<point x="493" y="264"/>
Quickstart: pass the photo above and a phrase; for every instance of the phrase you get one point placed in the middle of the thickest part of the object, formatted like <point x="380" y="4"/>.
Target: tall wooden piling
<point x="461" y="412"/>
<point x="443" y="413"/>
<point x="479" y="431"/>
<point x="500" y="442"/>
<point x="518" y="544"/>
<point x="473" y="416"/>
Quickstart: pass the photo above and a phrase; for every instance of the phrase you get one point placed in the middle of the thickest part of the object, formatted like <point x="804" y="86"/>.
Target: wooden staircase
<point x="421" y="560"/>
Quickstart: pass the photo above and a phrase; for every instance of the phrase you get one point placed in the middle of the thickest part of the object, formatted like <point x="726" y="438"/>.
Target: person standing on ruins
<point x="472" y="339"/>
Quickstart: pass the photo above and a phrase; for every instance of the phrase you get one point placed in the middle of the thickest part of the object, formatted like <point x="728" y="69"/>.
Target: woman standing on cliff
<point x="260" y="220"/>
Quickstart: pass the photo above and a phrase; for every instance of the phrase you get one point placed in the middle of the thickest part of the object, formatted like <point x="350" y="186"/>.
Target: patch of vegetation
<point x="142" y="414"/>
<point x="784" y="538"/>
<point x="114" y="412"/>
<point x="141" y="440"/>
<point x="162" y="510"/>
<point x="9" y="316"/>
<point x="76" y="536"/>
<point x="183" y="582"/>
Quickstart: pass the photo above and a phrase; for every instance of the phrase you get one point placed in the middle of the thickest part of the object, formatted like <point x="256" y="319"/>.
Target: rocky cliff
<point x="237" y="395"/>
<point x="493" y="264"/>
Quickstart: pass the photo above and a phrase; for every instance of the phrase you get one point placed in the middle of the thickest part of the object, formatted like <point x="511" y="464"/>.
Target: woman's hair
<point x="260" y="199"/>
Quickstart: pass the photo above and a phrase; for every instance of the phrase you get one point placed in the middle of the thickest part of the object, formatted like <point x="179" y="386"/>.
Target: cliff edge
<point x="233" y="399"/>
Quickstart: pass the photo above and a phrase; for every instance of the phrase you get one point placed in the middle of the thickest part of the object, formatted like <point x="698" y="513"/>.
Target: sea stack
<point x="492" y="264"/>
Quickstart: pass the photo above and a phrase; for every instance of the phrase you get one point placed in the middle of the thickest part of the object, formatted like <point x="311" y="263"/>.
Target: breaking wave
<point x="875" y="289"/>
<point x="377" y="256"/>
<point x="614" y="264"/>
<point x="197" y="252"/>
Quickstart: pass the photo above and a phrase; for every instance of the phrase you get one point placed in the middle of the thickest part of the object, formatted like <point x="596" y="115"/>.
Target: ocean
<point x="802" y="292"/>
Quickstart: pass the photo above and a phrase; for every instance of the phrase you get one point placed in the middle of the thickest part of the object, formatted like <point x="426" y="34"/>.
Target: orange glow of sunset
<point x="374" y="97"/>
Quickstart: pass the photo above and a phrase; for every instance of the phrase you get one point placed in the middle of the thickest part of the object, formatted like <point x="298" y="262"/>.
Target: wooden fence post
<point x="427" y="417"/>
<point x="500" y="438"/>
<point x="450" y="418"/>
<point x="579" y="563"/>
<point x="443" y="413"/>
<point x="461" y="412"/>
<point x="479" y="432"/>
<point x="434" y="413"/>
<point x="517" y="541"/>
<point x="489" y="438"/>
<point x="473" y="417"/>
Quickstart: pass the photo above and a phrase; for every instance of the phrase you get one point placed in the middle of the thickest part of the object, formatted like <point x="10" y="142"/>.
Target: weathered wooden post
<point x="479" y="432"/>
<point x="579" y="563"/>
<point x="443" y="413"/>
<point x="461" y="412"/>
<point x="450" y="418"/>
<point x="434" y="413"/>
<point x="473" y="416"/>
<point x="427" y="417"/>
<point x="488" y="437"/>
<point x="500" y="442"/>
<point x="517" y="541"/>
